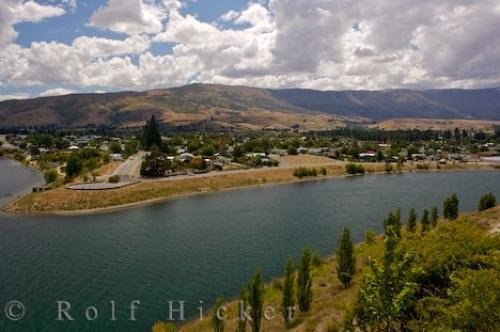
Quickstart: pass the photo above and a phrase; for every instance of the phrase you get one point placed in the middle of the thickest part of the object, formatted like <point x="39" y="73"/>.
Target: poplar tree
<point x="434" y="216"/>
<point x="218" y="322"/>
<point x="304" y="281"/>
<point x="288" y="300"/>
<point x="242" y="323"/>
<point x="450" y="207"/>
<point x="393" y="220"/>
<point x="256" y="301"/>
<point x="346" y="260"/>
<point x="151" y="134"/>
<point x="412" y="221"/>
<point x="425" y="221"/>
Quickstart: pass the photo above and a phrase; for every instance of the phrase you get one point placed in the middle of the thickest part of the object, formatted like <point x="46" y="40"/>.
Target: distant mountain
<point x="245" y="107"/>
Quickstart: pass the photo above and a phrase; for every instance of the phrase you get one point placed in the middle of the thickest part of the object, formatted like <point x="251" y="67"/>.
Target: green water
<point x="194" y="248"/>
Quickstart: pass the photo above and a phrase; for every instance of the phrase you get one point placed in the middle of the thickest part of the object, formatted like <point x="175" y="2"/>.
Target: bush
<point x="369" y="236"/>
<point x="487" y="202"/>
<point x="353" y="168"/>
<point x="73" y="166"/>
<point x="114" y="179"/>
<point x="323" y="171"/>
<point x="155" y="164"/>
<point x="50" y="175"/>
<point x="301" y="172"/>
<point x="389" y="168"/>
<point x="423" y="166"/>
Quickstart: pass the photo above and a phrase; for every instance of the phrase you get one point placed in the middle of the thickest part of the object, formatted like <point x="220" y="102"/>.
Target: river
<point x="194" y="248"/>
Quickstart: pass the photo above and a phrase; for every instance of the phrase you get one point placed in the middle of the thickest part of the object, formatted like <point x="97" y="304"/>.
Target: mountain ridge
<point x="229" y="106"/>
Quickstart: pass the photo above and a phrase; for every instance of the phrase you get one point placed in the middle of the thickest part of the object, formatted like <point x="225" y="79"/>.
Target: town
<point x="81" y="160"/>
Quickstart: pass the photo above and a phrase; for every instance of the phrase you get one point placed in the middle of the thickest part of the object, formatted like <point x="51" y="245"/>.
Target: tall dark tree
<point x="434" y="216"/>
<point x="304" y="281"/>
<point x="74" y="166"/>
<point x="288" y="300"/>
<point x="256" y="301"/>
<point x="346" y="260"/>
<point x="394" y="220"/>
<point x="151" y="134"/>
<point x="425" y="222"/>
<point x="217" y="319"/>
<point x="450" y="207"/>
<point x="242" y="322"/>
<point x="386" y="296"/>
<point x="487" y="202"/>
<point x="412" y="221"/>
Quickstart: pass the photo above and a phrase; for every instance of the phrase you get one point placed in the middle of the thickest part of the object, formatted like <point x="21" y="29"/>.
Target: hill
<point x="221" y="106"/>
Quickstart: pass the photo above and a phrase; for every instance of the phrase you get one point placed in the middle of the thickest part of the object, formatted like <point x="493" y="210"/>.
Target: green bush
<point x="50" y="175"/>
<point x="301" y="172"/>
<point x="487" y="202"/>
<point x="353" y="168"/>
<point x="114" y="179"/>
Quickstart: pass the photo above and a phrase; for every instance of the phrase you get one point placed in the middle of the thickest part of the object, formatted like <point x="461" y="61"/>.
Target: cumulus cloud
<point x="129" y="16"/>
<point x="56" y="92"/>
<point x="317" y="44"/>
<point x="14" y="96"/>
<point x="17" y="11"/>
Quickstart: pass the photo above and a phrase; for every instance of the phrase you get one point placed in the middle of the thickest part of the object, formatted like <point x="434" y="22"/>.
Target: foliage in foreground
<point x="448" y="279"/>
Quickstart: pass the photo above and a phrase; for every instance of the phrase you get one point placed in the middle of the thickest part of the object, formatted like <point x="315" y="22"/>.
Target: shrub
<point x="50" y="175"/>
<point x="487" y="202"/>
<point x="423" y="166"/>
<point x="353" y="168"/>
<point x="155" y="164"/>
<point x="369" y="236"/>
<point x="323" y="171"/>
<point x="301" y="172"/>
<point x="389" y="168"/>
<point x="450" y="207"/>
<point x="114" y="179"/>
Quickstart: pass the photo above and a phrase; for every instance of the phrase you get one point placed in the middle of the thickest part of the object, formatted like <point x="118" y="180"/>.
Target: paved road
<point x="130" y="168"/>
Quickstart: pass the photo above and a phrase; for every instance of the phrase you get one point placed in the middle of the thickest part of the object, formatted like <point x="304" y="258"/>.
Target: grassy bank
<point x="65" y="200"/>
<point x="451" y="245"/>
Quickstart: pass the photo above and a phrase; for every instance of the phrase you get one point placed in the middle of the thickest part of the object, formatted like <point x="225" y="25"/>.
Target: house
<point x="186" y="156"/>
<point x="116" y="157"/>
<point x="73" y="148"/>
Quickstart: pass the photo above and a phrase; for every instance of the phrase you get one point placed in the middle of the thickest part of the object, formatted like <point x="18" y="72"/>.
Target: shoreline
<point x="158" y="200"/>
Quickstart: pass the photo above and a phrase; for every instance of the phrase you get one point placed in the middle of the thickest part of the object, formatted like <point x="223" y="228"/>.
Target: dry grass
<point x="330" y="300"/>
<point x="437" y="124"/>
<point x="62" y="199"/>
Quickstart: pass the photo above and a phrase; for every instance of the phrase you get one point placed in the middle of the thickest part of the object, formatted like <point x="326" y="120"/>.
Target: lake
<point x="193" y="248"/>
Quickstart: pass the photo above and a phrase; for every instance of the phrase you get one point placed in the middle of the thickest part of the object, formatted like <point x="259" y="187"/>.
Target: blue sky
<point x="63" y="46"/>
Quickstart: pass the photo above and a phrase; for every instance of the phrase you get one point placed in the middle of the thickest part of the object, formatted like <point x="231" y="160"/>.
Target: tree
<point x="304" y="281"/>
<point x="155" y="164"/>
<point x="394" y="220"/>
<point x="242" y="323"/>
<point x="434" y="216"/>
<point x="288" y="300"/>
<point x="450" y="207"/>
<point x="256" y="301"/>
<point x="412" y="221"/>
<point x="115" y="148"/>
<point x="151" y="134"/>
<point x="217" y="320"/>
<point x="131" y="147"/>
<point x="386" y="296"/>
<point x="237" y="152"/>
<point x="292" y="149"/>
<point x="425" y="222"/>
<point x="208" y="151"/>
<point x="346" y="260"/>
<point x="487" y="202"/>
<point x="73" y="166"/>
<point x="50" y="175"/>
<point x="380" y="156"/>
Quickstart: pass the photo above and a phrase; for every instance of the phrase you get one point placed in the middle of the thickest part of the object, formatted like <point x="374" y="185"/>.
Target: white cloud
<point x="289" y="43"/>
<point x="129" y="16"/>
<point x="14" y="96"/>
<point x="56" y="92"/>
<point x="17" y="11"/>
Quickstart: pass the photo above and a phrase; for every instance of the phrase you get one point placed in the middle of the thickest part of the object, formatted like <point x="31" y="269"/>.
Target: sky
<point x="52" y="47"/>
